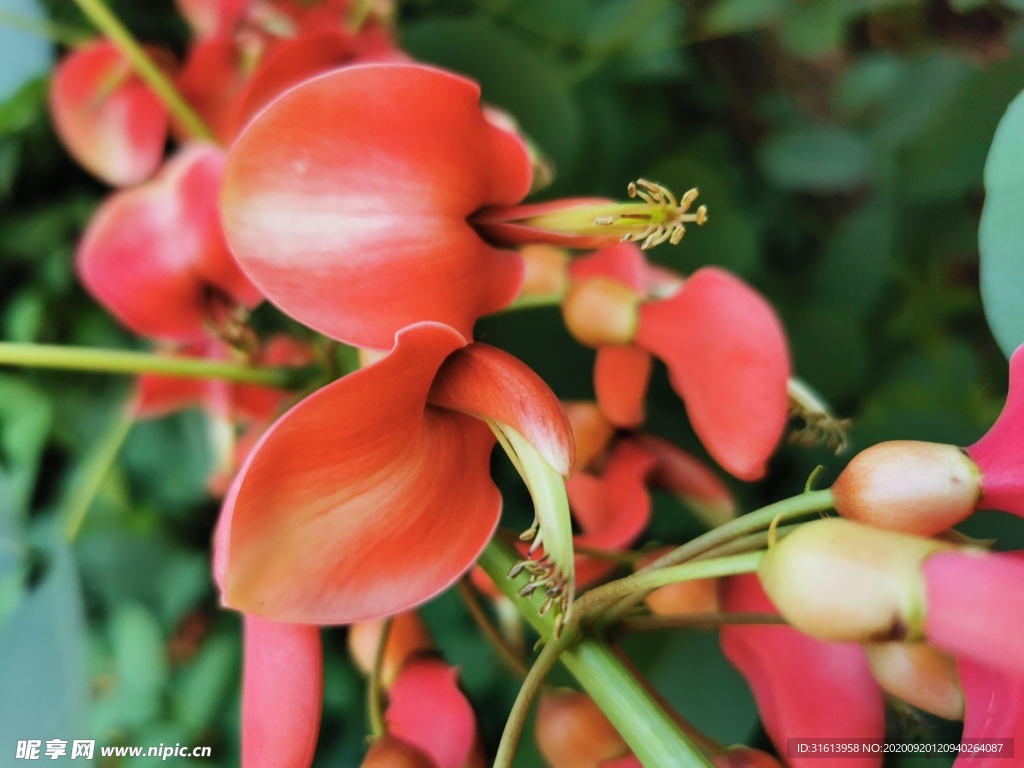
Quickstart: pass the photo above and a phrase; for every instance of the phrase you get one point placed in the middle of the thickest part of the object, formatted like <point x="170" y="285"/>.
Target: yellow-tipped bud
<point x="920" y="675"/>
<point x="600" y="312"/>
<point x="839" y="580"/>
<point x="909" y="486"/>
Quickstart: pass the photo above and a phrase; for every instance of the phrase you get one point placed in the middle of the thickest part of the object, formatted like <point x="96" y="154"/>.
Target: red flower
<point x="156" y="258"/>
<point x="347" y="202"/>
<point x="374" y="493"/>
<point x="106" y="116"/>
<point x="805" y="688"/>
<point x="723" y="344"/>
<point x="994" y="710"/>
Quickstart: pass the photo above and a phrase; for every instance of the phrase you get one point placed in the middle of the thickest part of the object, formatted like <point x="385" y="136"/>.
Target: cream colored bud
<point x="909" y="486"/>
<point x="600" y="312"/>
<point x="920" y="675"/>
<point x="839" y="580"/>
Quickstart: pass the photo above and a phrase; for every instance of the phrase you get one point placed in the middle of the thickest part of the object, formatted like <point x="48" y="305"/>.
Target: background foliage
<point x="840" y="147"/>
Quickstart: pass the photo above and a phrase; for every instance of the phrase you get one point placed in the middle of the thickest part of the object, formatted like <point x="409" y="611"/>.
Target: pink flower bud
<point x="573" y="732"/>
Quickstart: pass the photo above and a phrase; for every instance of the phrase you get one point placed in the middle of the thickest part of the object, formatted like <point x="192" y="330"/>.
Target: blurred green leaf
<point x="815" y="159"/>
<point x="25" y="416"/>
<point x="1001" y="236"/>
<point x="727" y="17"/>
<point x="813" y="29"/>
<point x="966" y="6"/>
<point x="202" y="687"/>
<point x="25" y="51"/>
<point x="140" y="671"/>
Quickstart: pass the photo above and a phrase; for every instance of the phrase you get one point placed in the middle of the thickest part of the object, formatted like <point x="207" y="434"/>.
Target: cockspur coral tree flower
<point x="723" y="344"/>
<point x="108" y="119"/>
<point x="394" y="501"/>
<point x="925" y="488"/>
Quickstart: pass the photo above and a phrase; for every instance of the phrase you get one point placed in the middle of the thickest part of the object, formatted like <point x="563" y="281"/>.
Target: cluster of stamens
<point x="820" y="425"/>
<point x="665" y="223"/>
<point x="544" y="575"/>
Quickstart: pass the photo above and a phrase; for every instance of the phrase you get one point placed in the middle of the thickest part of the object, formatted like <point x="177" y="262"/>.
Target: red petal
<point x="347" y="202"/>
<point x="613" y="510"/>
<point x="486" y="382"/>
<point x="155" y="256"/>
<point x="804" y="688"/>
<point x="620" y="383"/>
<point x="623" y="262"/>
<point x="361" y="501"/>
<point x="975" y="606"/>
<point x="591" y="432"/>
<point x="728" y="359"/>
<point x="427" y="709"/>
<point x="1000" y="453"/>
<point x="210" y="80"/>
<point x="282" y="694"/>
<point x="158" y="396"/>
<point x="106" y="116"/>
<point x="210" y="17"/>
<point x="995" y="710"/>
<point x="689" y="479"/>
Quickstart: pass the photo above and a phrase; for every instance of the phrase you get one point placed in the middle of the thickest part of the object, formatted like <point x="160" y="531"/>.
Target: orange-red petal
<point x="994" y="710"/>
<point x="282" y="694"/>
<point x="362" y="500"/>
<point x="620" y="383"/>
<point x="108" y="119"/>
<point x="728" y="359"/>
<point x="347" y="199"/>
<point x="155" y="256"/>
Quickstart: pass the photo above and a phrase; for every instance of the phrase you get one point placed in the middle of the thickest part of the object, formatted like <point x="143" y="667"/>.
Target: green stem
<point x="703" y="620"/>
<point x="375" y="689"/>
<point x="787" y="509"/>
<point x="508" y="657"/>
<point x="124" y="361"/>
<point x="93" y="470"/>
<point x="158" y="82"/>
<point x="533" y="300"/>
<point x="648" y="730"/>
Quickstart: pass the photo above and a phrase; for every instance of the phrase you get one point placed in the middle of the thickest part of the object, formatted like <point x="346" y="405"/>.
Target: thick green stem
<point x="650" y="732"/>
<point x="87" y="483"/>
<point x="785" y="510"/>
<point x="375" y="688"/>
<point x="123" y="361"/>
<point x="701" y="620"/>
<point x="158" y="82"/>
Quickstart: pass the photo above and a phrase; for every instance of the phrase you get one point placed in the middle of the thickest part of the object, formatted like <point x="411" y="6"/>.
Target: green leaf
<point x="727" y="17"/>
<point x="815" y="29"/>
<point x="816" y="159"/>
<point x="966" y="6"/>
<point x="25" y="417"/>
<point x="1001" y="235"/>
<point x="43" y="672"/>
<point x="205" y="684"/>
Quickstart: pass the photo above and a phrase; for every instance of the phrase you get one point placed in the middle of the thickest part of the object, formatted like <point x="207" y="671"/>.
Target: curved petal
<point x="1000" y="453"/>
<point x="691" y="480"/>
<point x="282" y="694"/>
<point x="620" y="383"/>
<point x="613" y="510"/>
<point x="210" y="80"/>
<point x="804" y="687"/>
<point x="362" y="500"/>
<point x="108" y="119"/>
<point x="346" y="201"/>
<point x="486" y="382"/>
<point x="728" y="359"/>
<point x="994" y="710"/>
<point x="427" y="709"/>
<point x="975" y="606"/>
<point x="155" y="256"/>
<point x="623" y="262"/>
<point x="407" y="638"/>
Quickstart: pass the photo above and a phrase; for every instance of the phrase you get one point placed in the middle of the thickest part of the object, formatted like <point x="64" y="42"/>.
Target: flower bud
<point x="408" y="636"/>
<point x="391" y="752"/>
<point x="745" y="757"/>
<point x="920" y="675"/>
<point x="590" y="430"/>
<point x="839" y="580"/>
<point x="546" y="271"/>
<point x="573" y="732"/>
<point x="909" y="486"/>
<point x="695" y="596"/>
<point x="600" y="312"/>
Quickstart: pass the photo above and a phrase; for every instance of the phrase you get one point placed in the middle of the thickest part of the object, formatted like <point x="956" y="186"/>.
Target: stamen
<point x="664" y="223"/>
<point x="820" y="425"/>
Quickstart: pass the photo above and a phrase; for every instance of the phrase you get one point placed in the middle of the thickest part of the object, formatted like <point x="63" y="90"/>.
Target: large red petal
<point x="620" y="384"/>
<point x="486" y="382"/>
<point x="155" y="256"/>
<point x="804" y="688"/>
<point x="427" y="709"/>
<point x="108" y="119"/>
<point x="282" y="694"/>
<point x="1000" y="453"/>
<point x="728" y="359"/>
<point x="362" y="500"/>
<point x="346" y="201"/>
<point x="994" y="710"/>
<point x="975" y="606"/>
